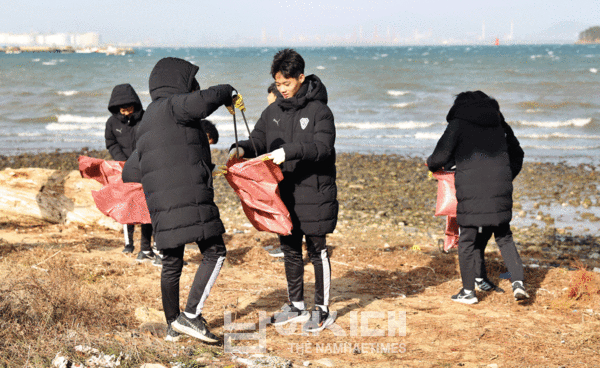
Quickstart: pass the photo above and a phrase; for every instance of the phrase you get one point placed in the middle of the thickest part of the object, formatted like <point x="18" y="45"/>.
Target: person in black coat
<point x="127" y="111"/>
<point x="487" y="158"/>
<point x="298" y="132"/>
<point x="176" y="174"/>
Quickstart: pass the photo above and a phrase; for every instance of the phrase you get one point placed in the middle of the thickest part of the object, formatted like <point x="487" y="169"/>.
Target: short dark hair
<point x="272" y="88"/>
<point x="210" y="129"/>
<point x="289" y="63"/>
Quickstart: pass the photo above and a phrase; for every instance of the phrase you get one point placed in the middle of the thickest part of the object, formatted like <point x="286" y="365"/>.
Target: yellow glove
<point x="238" y="102"/>
<point x="429" y="175"/>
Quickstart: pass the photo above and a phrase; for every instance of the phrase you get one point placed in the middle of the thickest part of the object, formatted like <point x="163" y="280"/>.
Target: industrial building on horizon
<point x="89" y="39"/>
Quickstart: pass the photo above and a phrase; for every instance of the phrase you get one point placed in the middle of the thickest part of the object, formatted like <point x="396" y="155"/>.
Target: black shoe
<point x="172" y="335"/>
<point x="288" y="314"/>
<point x="194" y="327"/>
<point x="487" y="285"/>
<point x="463" y="297"/>
<point x="519" y="291"/>
<point x="128" y="249"/>
<point x="157" y="261"/>
<point x="143" y="256"/>
<point x="319" y="320"/>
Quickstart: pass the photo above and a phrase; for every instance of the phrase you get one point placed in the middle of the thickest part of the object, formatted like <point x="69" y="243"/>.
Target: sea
<point x="386" y="100"/>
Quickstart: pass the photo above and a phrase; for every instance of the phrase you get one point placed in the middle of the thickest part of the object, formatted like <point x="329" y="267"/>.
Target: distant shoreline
<point x="108" y="50"/>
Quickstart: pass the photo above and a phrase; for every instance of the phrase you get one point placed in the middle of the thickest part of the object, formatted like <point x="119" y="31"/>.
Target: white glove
<point x="278" y="156"/>
<point x="239" y="152"/>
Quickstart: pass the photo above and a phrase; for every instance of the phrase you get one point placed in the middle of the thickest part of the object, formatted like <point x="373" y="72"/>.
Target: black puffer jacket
<point x="175" y="157"/>
<point x="476" y="140"/>
<point x="120" y="130"/>
<point x="303" y="125"/>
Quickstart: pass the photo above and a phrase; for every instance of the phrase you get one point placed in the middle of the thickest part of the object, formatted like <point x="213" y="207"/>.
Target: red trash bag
<point x="123" y="202"/>
<point x="452" y="233"/>
<point x="256" y="184"/>
<point x="446" y="194"/>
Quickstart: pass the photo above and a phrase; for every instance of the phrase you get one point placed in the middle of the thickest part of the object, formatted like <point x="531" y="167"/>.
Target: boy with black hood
<point x="298" y="132"/>
<point x="176" y="174"/>
<point x="488" y="158"/>
<point x="126" y="109"/>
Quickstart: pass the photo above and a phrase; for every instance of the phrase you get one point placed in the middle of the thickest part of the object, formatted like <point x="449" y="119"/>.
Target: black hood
<point x="123" y="95"/>
<point x="172" y="76"/>
<point x="482" y="112"/>
<point x="311" y="90"/>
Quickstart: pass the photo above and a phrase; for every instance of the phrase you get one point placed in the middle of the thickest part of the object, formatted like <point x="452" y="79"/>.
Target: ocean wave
<point x="51" y="62"/>
<point x="403" y="105"/>
<point x="428" y="136"/>
<point x="397" y="93"/>
<point x="560" y="148"/>
<point x="404" y="125"/>
<point x="320" y="67"/>
<point x="581" y="122"/>
<point x="67" y="118"/>
<point x="552" y="105"/>
<point x="558" y="136"/>
<point x="67" y="93"/>
<point x="593" y="70"/>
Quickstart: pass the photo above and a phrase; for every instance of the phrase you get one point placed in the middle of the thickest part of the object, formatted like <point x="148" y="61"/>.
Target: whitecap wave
<point x="321" y="67"/>
<point x="580" y="122"/>
<point x="558" y="136"/>
<point x="404" y="125"/>
<point x="67" y="118"/>
<point x="428" y="136"/>
<point x="402" y="105"/>
<point x="67" y="93"/>
<point x="397" y="93"/>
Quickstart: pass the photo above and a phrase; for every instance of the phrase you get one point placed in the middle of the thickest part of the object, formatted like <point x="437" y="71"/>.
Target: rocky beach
<point x="385" y="257"/>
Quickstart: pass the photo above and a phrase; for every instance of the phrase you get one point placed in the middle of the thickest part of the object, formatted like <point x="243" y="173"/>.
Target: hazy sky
<point x="226" y="22"/>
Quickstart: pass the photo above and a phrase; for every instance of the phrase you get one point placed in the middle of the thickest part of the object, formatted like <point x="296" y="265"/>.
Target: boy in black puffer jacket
<point x="126" y="109"/>
<point x="298" y="132"/>
<point x="176" y="174"/>
<point x="487" y="161"/>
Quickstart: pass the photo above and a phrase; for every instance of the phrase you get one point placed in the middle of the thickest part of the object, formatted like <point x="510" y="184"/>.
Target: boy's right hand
<point x="238" y="152"/>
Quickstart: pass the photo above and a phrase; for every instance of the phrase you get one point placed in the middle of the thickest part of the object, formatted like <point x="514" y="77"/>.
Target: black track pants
<point x="213" y="251"/>
<point x="146" y="236"/>
<point x="291" y="246"/>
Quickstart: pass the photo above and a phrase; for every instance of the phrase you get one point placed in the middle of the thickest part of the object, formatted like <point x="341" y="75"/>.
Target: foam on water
<point x="426" y="135"/>
<point x="558" y="136"/>
<point x="397" y="93"/>
<point x="67" y="93"/>
<point x="580" y="122"/>
<point x="368" y="125"/>
<point x="403" y="105"/>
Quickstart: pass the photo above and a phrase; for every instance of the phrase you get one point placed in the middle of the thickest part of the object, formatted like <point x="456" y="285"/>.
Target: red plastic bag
<point x="446" y="194"/>
<point x="123" y="202"/>
<point x="256" y="184"/>
<point x="452" y="233"/>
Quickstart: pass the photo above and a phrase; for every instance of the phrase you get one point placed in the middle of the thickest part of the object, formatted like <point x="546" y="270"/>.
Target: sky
<point x="288" y="22"/>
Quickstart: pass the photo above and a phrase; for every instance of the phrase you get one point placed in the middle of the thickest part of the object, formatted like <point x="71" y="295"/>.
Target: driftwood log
<point x="55" y="196"/>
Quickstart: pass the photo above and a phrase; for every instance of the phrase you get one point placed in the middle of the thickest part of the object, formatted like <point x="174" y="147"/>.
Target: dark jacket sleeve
<point x="515" y="152"/>
<point x="115" y="150"/>
<point x="444" y="150"/>
<point x="131" y="170"/>
<point x="189" y="107"/>
<point x="259" y="138"/>
<point x="321" y="148"/>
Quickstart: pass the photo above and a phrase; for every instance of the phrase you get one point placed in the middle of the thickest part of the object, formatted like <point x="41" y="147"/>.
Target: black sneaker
<point x="157" y="261"/>
<point x="319" y="320"/>
<point x="519" y="291"/>
<point x="289" y="314"/>
<point x="172" y="335"/>
<point x="194" y="327"/>
<point x="143" y="256"/>
<point x="463" y="297"/>
<point x="487" y="285"/>
<point x="128" y="249"/>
